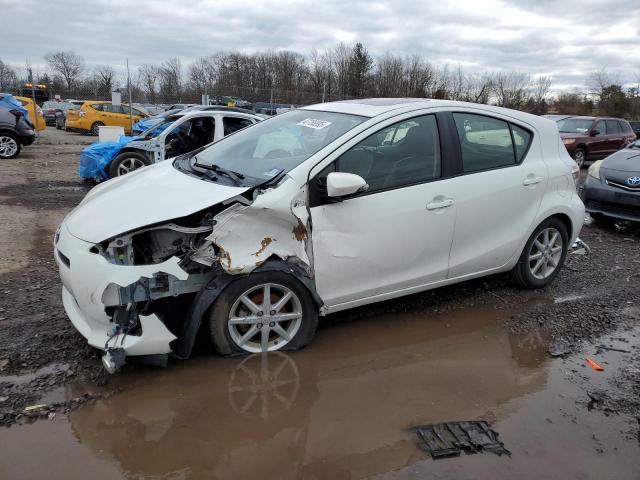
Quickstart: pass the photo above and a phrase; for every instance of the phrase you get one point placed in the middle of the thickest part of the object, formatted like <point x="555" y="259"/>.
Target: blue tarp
<point x="95" y="159"/>
<point x="142" y="125"/>
<point x="8" y="101"/>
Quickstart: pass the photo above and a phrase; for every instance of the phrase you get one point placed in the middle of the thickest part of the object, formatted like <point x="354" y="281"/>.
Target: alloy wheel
<point x="579" y="157"/>
<point x="545" y="253"/>
<point x="129" y="165"/>
<point x="8" y="146"/>
<point x="265" y="318"/>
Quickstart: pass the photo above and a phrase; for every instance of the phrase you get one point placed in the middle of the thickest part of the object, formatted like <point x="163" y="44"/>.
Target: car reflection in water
<point x="339" y="409"/>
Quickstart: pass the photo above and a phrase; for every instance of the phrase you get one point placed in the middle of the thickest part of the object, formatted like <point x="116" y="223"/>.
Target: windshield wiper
<point x="270" y="181"/>
<point x="234" y="176"/>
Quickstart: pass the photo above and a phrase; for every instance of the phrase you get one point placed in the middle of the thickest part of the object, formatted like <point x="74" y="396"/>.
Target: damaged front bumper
<point x="86" y="277"/>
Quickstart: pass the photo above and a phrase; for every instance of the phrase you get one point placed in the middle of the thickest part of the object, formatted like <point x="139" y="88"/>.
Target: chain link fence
<point x="255" y="98"/>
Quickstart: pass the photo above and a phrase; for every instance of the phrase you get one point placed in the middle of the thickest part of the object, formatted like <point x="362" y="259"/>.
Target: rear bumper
<point x="610" y="201"/>
<point x="27" y="137"/>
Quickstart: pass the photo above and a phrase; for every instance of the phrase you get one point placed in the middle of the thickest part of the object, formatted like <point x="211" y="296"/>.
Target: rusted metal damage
<point x="266" y="241"/>
<point x="281" y="226"/>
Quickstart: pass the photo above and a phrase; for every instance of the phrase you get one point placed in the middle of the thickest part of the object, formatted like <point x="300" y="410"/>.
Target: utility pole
<point x="324" y="87"/>
<point x="33" y="97"/>
<point x="130" y="106"/>
<point x="271" y="110"/>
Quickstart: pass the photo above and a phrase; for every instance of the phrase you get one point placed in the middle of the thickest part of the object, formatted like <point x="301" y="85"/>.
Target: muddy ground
<point x="340" y="409"/>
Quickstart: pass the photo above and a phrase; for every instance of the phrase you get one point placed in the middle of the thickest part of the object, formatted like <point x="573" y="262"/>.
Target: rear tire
<point x="264" y="319"/>
<point x="94" y="128"/>
<point x="127" y="162"/>
<point x="580" y="156"/>
<point x="9" y="146"/>
<point x="543" y="255"/>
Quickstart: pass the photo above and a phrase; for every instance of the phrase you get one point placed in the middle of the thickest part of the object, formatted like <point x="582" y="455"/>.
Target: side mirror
<point x="593" y="133"/>
<point x="340" y="184"/>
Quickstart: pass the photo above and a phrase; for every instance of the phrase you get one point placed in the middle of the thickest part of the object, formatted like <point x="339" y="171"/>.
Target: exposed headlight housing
<point x="568" y="141"/>
<point x="594" y="170"/>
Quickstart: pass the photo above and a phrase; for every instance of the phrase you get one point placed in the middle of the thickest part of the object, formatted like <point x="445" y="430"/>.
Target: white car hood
<point x="150" y="195"/>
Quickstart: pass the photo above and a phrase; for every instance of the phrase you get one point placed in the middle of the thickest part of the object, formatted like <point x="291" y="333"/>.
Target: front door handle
<point x="531" y="180"/>
<point x="439" y="202"/>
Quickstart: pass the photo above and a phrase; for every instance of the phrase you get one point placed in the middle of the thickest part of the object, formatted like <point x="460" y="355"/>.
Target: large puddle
<point x="339" y="410"/>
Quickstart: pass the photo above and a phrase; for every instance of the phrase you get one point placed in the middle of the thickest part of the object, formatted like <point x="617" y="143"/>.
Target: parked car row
<point x="18" y="124"/>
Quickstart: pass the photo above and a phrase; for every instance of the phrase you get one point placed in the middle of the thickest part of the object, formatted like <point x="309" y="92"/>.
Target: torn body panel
<point x="153" y="148"/>
<point x="275" y="224"/>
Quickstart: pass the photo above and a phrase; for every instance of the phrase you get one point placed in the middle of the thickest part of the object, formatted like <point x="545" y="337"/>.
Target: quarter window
<point x="402" y="154"/>
<point x="488" y="143"/>
<point x="521" y="139"/>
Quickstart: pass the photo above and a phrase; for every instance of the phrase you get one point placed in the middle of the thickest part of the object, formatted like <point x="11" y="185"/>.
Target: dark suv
<point x="593" y="138"/>
<point x="15" y="131"/>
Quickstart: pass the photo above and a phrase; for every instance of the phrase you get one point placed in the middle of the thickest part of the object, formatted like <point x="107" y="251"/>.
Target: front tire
<point x="262" y="312"/>
<point x="543" y="255"/>
<point x="9" y="146"/>
<point x="127" y="162"/>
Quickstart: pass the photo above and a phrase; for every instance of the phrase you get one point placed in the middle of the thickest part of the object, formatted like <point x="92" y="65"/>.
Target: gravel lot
<point x="591" y="309"/>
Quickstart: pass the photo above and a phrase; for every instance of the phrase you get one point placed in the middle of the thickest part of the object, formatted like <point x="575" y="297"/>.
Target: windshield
<point x="574" y="125"/>
<point x="278" y="144"/>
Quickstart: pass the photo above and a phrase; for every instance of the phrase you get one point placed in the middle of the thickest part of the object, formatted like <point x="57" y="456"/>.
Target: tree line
<point x="340" y="72"/>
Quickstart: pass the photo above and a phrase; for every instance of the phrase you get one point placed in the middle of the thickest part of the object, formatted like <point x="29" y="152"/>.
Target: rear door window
<point x="613" y="127"/>
<point x="233" y="124"/>
<point x="486" y="142"/>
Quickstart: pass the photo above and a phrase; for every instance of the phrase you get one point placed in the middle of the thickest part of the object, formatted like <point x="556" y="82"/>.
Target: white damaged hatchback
<point x="313" y="211"/>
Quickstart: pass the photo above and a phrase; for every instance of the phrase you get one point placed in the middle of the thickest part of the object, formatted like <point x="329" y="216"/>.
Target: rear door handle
<point x="439" y="202"/>
<point x="531" y="180"/>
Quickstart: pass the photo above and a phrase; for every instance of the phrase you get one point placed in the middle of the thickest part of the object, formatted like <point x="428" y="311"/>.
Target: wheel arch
<point x="566" y="221"/>
<point x="218" y="283"/>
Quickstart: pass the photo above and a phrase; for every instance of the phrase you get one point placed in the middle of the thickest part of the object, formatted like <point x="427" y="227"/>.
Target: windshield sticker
<point x="314" y="123"/>
<point x="272" y="173"/>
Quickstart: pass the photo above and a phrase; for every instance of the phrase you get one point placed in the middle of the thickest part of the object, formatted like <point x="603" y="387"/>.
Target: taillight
<point x="82" y="113"/>
<point x="51" y="110"/>
<point x="17" y="113"/>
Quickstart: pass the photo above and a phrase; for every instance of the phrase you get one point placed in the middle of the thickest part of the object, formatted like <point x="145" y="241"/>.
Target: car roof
<point x="372" y="107"/>
<point x="211" y="113"/>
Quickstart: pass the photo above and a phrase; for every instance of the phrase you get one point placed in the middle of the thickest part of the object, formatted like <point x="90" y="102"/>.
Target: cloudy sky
<point x="564" y="39"/>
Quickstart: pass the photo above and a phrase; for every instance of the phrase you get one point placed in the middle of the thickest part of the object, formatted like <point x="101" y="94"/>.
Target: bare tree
<point x="479" y="88"/>
<point x="148" y="79"/>
<point x="540" y="89"/>
<point x="105" y="78"/>
<point x="171" y="78"/>
<point x="67" y="64"/>
<point x="8" y="77"/>
<point x="510" y="89"/>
